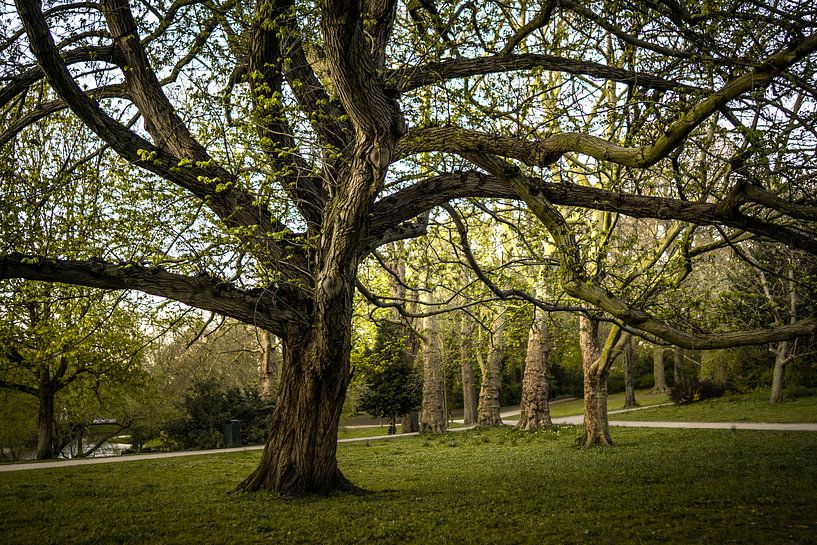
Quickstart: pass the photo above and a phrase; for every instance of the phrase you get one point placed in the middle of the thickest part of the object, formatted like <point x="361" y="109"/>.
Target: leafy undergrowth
<point x="754" y="407"/>
<point x="499" y="486"/>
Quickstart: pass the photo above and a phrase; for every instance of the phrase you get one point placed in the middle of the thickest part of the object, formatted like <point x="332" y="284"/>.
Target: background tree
<point x="63" y="346"/>
<point x="392" y="385"/>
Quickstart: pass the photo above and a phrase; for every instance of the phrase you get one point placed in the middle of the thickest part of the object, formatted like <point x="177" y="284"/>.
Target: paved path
<point x="159" y="455"/>
<point x="572" y="420"/>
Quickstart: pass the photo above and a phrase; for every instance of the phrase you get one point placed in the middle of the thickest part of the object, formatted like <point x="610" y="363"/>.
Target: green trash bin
<point x="232" y="433"/>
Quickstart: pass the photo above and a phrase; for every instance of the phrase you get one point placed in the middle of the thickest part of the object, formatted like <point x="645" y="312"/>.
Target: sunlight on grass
<point x="736" y="408"/>
<point x="496" y="486"/>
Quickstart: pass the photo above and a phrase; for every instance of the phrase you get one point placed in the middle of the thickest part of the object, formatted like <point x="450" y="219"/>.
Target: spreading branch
<point x="274" y="309"/>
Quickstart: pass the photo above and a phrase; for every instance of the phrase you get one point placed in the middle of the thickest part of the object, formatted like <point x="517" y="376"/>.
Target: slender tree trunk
<point x="432" y="414"/>
<point x="269" y="363"/>
<point x="488" y="410"/>
<point x="410" y="422"/>
<point x="596" y="429"/>
<point x="678" y="366"/>
<point x="629" y="389"/>
<point x="535" y="412"/>
<point x="45" y="424"/>
<point x="781" y="359"/>
<point x="469" y="397"/>
<point x="782" y="354"/>
<point x="660" y="385"/>
<point x="80" y="447"/>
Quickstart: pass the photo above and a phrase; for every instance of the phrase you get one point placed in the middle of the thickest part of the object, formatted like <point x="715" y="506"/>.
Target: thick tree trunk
<point x="629" y="389"/>
<point x="535" y="412"/>
<point x="469" y="397"/>
<point x="45" y="425"/>
<point x="660" y="384"/>
<point x="269" y="363"/>
<point x="596" y="429"/>
<point x="488" y="410"/>
<point x="299" y="457"/>
<point x="679" y="366"/>
<point x="781" y="359"/>
<point x="432" y="414"/>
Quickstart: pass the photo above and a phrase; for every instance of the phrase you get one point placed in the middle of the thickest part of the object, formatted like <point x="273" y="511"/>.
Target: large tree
<point x="272" y="146"/>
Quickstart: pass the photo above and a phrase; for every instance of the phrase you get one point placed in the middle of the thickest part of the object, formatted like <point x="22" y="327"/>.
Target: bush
<point x="793" y="392"/>
<point x="207" y="405"/>
<point x="692" y="390"/>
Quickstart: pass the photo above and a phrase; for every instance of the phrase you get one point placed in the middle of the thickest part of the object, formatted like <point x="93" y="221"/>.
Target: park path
<point x="564" y="420"/>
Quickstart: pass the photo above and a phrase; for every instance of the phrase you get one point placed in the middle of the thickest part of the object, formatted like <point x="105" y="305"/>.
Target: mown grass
<point x="614" y="402"/>
<point x="497" y="487"/>
<point x="351" y="432"/>
<point x="754" y="407"/>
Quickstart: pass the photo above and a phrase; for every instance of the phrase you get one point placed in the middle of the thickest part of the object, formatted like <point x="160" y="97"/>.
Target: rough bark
<point x="781" y="360"/>
<point x="469" y="397"/>
<point x="408" y="203"/>
<point x="658" y="372"/>
<point x="488" y="409"/>
<point x="629" y="389"/>
<point x="269" y="363"/>
<point x="299" y="457"/>
<point x="432" y="413"/>
<point x="45" y="424"/>
<point x="596" y="429"/>
<point x="678" y="367"/>
<point x="535" y="411"/>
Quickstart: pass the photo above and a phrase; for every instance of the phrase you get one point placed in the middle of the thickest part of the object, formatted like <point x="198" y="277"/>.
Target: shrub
<point x="207" y="405"/>
<point x="692" y="390"/>
<point x="793" y="392"/>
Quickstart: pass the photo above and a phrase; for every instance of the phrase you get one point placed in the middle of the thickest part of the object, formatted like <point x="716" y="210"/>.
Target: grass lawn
<point x="614" y="402"/>
<point x="495" y="487"/>
<point x="348" y="432"/>
<point x="753" y="407"/>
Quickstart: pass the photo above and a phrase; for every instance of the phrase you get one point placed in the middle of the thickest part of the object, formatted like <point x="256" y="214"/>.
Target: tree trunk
<point x="535" y="412"/>
<point x="410" y="423"/>
<point x="45" y="424"/>
<point x="469" y="398"/>
<point x="299" y="457"/>
<point x="660" y="385"/>
<point x="269" y="363"/>
<point x="432" y="414"/>
<point x="596" y="429"/>
<point x="782" y="354"/>
<point x="781" y="359"/>
<point x="629" y="389"/>
<point x="678" y="366"/>
<point x="488" y="410"/>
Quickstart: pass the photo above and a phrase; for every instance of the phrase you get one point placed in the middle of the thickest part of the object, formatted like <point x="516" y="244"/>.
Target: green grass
<point x="348" y="432"/>
<point x="495" y="487"/>
<point x="614" y="402"/>
<point x="737" y="408"/>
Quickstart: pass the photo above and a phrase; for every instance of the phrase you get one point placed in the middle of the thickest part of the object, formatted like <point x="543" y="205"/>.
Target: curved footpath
<point x="565" y="420"/>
